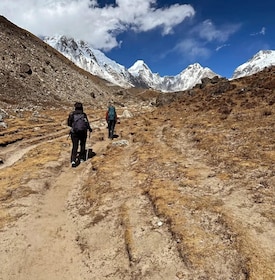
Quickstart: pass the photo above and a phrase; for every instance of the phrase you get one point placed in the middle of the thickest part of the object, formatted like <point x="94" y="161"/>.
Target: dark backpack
<point x="79" y="123"/>
<point x="111" y="113"/>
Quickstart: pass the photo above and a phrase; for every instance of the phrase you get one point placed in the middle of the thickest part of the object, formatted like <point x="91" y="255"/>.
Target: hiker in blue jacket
<point x="79" y="123"/>
<point x="111" y="119"/>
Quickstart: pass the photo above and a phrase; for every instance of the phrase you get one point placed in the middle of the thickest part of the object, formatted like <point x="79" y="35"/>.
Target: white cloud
<point x="209" y="32"/>
<point x="84" y="19"/>
<point x="193" y="49"/>
<point x="165" y="18"/>
<point x="200" y="41"/>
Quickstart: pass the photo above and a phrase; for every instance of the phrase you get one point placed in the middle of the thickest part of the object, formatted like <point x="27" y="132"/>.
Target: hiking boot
<point x="73" y="164"/>
<point x="82" y="160"/>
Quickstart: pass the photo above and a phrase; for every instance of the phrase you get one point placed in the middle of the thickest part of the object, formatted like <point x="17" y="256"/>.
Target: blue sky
<point x="167" y="35"/>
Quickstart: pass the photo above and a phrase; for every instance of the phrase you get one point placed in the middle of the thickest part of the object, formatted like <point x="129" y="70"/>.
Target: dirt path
<point x="147" y="206"/>
<point x="51" y="239"/>
<point x="41" y="245"/>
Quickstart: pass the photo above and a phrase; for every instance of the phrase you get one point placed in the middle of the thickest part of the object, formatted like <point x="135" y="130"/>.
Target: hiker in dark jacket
<point x="111" y="119"/>
<point x="79" y="123"/>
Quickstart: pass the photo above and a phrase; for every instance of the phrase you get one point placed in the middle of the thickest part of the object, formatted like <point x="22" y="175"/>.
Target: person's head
<point x="78" y="106"/>
<point x="111" y="103"/>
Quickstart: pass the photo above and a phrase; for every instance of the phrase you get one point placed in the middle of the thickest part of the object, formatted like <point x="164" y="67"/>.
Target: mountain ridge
<point x="140" y="75"/>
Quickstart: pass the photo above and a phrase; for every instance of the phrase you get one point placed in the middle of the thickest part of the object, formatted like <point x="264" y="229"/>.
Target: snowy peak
<point x="197" y="70"/>
<point x="138" y="67"/>
<point x="144" y="74"/>
<point x="258" y="62"/>
<point x="91" y="60"/>
<point x="188" y="78"/>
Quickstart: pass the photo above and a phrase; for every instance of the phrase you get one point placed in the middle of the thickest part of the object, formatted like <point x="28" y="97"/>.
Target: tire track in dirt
<point x="212" y="216"/>
<point x="152" y="252"/>
<point x="125" y="239"/>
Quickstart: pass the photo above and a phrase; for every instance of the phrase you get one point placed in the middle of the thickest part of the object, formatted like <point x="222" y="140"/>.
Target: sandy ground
<point x="50" y="239"/>
<point x="138" y="209"/>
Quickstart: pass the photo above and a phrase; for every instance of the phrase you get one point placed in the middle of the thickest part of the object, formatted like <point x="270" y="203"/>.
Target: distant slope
<point x="257" y="63"/>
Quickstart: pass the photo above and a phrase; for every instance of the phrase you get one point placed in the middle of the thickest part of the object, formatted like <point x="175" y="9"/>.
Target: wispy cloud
<point x="200" y="40"/>
<point x="85" y="19"/>
<point x="261" y="32"/>
<point x="221" y="47"/>
<point x="193" y="49"/>
<point x="208" y="32"/>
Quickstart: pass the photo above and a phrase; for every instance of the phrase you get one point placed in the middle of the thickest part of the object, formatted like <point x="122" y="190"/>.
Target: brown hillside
<point x="185" y="191"/>
<point x="35" y="74"/>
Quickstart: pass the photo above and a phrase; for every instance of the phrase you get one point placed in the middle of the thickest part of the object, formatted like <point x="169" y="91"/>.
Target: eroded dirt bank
<point x="166" y="199"/>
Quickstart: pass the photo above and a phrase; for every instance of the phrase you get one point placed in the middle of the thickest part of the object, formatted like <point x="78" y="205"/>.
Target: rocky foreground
<point x="185" y="191"/>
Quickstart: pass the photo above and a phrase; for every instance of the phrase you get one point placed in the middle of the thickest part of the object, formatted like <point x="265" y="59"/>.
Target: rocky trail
<point x="147" y="205"/>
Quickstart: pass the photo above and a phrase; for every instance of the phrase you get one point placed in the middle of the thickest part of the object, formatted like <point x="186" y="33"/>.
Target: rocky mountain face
<point x="138" y="75"/>
<point x="91" y="60"/>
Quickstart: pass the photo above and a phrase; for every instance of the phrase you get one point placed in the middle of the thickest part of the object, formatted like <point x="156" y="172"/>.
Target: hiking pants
<point x="78" y="138"/>
<point x="111" y="128"/>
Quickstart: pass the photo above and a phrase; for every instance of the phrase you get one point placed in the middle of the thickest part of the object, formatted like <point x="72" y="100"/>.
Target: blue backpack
<point x="111" y="113"/>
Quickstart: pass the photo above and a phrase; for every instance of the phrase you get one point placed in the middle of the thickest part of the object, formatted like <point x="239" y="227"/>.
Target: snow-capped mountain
<point x="143" y="73"/>
<point x="187" y="79"/>
<point x="91" y="60"/>
<point x="95" y="62"/>
<point x="140" y="75"/>
<point x="258" y="62"/>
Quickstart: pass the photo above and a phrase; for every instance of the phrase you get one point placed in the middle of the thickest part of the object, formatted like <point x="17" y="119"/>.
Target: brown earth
<point x="186" y="191"/>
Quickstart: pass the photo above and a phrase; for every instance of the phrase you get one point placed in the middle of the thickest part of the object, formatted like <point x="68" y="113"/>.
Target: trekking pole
<point x="87" y="148"/>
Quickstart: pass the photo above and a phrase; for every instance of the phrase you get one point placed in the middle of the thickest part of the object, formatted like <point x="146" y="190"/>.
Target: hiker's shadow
<point x="90" y="153"/>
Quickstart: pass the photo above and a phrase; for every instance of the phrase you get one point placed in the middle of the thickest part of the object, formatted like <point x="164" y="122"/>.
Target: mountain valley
<point x="185" y="190"/>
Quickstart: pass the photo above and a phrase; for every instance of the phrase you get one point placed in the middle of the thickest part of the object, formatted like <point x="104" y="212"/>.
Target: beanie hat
<point x="78" y="106"/>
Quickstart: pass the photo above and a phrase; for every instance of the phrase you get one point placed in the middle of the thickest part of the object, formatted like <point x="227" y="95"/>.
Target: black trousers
<point x="78" y="138"/>
<point x="111" y="128"/>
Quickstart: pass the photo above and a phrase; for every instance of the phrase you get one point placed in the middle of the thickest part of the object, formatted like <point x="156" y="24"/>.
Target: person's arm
<point x="70" y="120"/>
<point x="88" y="124"/>
<point x="106" y="117"/>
